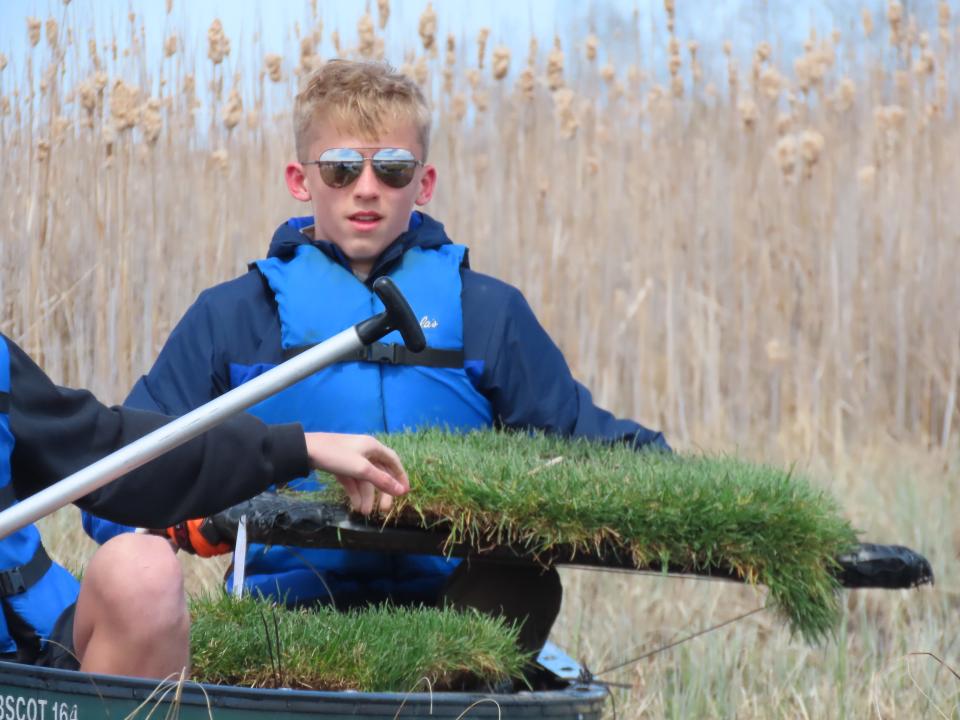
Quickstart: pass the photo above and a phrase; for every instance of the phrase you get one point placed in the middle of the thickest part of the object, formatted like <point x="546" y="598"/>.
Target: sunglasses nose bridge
<point x="367" y="182"/>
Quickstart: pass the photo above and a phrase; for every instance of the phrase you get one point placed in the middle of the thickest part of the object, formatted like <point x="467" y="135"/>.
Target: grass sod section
<point x="770" y="526"/>
<point x="378" y="649"/>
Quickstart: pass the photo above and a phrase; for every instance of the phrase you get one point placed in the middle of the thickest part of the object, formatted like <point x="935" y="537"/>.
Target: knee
<point x="136" y="581"/>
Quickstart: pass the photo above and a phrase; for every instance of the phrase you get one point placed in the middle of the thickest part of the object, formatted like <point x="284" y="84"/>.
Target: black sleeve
<point x="58" y="431"/>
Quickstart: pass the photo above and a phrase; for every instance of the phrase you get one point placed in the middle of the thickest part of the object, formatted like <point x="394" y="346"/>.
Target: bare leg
<point x="132" y="615"/>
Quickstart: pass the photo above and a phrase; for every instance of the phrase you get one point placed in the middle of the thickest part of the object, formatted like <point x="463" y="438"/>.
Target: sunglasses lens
<point x="395" y="167"/>
<point x="340" y="166"/>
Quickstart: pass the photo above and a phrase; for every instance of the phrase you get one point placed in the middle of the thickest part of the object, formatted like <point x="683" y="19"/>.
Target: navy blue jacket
<point x="510" y="358"/>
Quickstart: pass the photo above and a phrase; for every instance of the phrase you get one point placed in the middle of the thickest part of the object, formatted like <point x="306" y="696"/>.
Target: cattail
<point x="428" y="28"/>
<point x="943" y="14"/>
<point x="608" y="73"/>
<point x="895" y="18"/>
<point x="43" y="151"/>
<point x="169" y="6"/>
<point x="233" y="110"/>
<point x="501" y="62"/>
<point x="222" y="158"/>
<point x="480" y="99"/>
<point x="335" y="39"/>
<point x="563" y="102"/>
<point x="152" y="121"/>
<point x="555" y="66"/>
<point x="846" y="93"/>
<point x="33" y="31"/>
<point x="590" y="47"/>
<point x="924" y="65"/>
<point x="420" y="71"/>
<point x="366" y="35"/>
<point x="811" y="147"/>
<point x="770" y="83"/>
<point x="274" y="66"/>
<point x="674" y="61"/>
<point x="449" y="62"/>
<point x="124" y="105"/>
<point x="784" y="123"/>
<point x="253" y="119"/>
<point x="668" y="6"/>
<point x="170" y="46"/>
<point x="308" y="56"/>
<point x="785" y="153"/>
<point x="383" y="12"/>
<point x="867" y="20"/>
<point x="748" y="112"/>
<point x="458" y="107"/>
<point x="527" y="83"/>
<point x="218" y="44"/>
<point x="3" y="62"/>
<point x="52" y="33"/>
<point x="482" y="45"/>
<point x="4" y="106"/>
<point x="763" y="52"/>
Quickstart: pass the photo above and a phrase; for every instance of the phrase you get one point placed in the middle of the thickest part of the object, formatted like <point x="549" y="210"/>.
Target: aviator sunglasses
<point x="339" y="167"/>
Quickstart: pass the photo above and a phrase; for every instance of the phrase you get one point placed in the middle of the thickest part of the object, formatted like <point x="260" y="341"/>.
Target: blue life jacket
<point x="317" y="298"/>
<point x="34" y="591"/>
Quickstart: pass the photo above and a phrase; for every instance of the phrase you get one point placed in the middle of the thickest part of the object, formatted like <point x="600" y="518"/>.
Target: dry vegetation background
<point x="754" y="251"/>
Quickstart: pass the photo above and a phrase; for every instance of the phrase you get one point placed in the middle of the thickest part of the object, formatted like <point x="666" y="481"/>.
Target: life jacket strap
<point x="20" y="579"/>
<point x="4" y="402"/>
<point x="395" y="354"/>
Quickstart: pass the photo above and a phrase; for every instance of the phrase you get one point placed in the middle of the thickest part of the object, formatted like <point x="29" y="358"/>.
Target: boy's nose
<point x="367" y="184"/>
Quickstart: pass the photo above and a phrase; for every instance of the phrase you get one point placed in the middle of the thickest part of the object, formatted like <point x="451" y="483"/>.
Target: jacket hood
<point x="423" y="232"/>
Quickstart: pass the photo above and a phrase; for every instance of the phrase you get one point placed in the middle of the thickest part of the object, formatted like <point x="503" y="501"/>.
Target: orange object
<point x="196" y="537"/>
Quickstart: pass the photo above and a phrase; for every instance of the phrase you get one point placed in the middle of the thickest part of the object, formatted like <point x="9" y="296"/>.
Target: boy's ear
<point x="296" y="178"/>
<point x="428" y="183"/>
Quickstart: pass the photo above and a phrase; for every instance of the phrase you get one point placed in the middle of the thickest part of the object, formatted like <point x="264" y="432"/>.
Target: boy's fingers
<point x="389" y="461"/>
<point x="389" y="483"/>
<point x="350" y="486"/>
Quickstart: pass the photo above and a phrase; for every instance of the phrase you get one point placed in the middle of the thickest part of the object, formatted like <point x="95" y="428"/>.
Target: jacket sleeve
<point x="524" y="374"/>
<point x="58" y="431"/>
<point x="188" y="371"/>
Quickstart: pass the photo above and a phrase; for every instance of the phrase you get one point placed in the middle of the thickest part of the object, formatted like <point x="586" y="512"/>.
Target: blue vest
<point x="317" y="298"/>
<point x="33" y="590"/>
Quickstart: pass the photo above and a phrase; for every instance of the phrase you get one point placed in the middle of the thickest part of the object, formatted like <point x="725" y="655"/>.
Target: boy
<point x="362" y="135"/>
<point x="128" y="616"/>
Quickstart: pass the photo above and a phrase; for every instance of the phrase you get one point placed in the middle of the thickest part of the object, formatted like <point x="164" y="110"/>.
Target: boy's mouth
<point x="365" y="220"/>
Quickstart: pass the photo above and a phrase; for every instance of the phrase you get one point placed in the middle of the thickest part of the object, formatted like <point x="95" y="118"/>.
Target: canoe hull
<point x="31" y="693"/>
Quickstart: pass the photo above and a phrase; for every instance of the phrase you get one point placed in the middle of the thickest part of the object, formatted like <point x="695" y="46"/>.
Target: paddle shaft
<point x="178" y="431"/>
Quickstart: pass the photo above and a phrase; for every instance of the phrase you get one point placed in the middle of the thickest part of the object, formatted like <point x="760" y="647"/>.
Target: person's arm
<point x="524" y="374"/>
<point x="58" y="431"/>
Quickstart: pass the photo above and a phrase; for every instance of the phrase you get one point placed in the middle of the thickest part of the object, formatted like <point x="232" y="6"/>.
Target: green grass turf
<point x="379" y="649"/>
<point x="767" y="525"/>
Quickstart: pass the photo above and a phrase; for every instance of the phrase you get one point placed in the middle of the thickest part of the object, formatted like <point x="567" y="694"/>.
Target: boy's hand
<point x="362" y="465"/>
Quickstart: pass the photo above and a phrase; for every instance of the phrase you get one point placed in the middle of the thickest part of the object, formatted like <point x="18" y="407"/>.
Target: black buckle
<point x="11" y="582"/>
<point x="381" y="353"/>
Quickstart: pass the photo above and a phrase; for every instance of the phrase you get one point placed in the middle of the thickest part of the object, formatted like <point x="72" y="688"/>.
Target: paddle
<point x="344" y="345"/>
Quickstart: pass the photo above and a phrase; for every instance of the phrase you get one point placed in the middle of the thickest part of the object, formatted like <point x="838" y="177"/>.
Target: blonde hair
<point x="362" y="97"/>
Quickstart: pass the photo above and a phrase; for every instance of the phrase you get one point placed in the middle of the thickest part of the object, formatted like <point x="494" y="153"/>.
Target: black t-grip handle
<point x="398" y="316"/>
